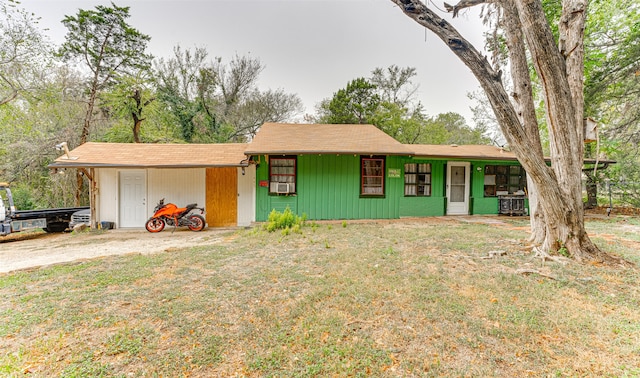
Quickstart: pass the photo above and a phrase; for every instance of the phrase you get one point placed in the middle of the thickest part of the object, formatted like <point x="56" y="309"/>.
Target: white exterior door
<point x="458" y="174"/>
<point x="246" y="195"/>
<point x="133" y="198"/>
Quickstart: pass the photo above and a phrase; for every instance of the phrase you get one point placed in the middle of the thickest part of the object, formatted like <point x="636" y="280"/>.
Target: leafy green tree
<point x="185" y="83"/>
<point x="388" y="101"/>
<point x="131" y="102"/>
<point x="214" y="101"/>
<point x="395" y="84"/>
<point x="29" y="130"/>
<point x="24" y="52"/>
<point x="611" y="85"/>
<point x="107" y="46"/>
<point x="403" y="125"/>
<point x="457" y="130"/>
<point x="357" y="103"/>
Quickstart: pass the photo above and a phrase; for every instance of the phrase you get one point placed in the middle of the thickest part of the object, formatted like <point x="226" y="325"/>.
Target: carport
<point x="128" y="179"/>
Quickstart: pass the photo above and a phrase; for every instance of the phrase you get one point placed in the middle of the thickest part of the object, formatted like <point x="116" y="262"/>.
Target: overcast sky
<point x="309" y="47"/>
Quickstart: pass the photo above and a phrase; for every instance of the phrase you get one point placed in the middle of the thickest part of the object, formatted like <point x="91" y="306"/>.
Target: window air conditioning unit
<point x="283" y="188"/>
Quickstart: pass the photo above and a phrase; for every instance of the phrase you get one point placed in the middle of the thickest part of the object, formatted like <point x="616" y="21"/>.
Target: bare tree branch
<point x="462" y="5"/>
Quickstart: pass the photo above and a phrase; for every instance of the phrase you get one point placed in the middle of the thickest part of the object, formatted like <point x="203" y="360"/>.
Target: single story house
<point x="358" y="171"/>
<point x="324" y="171"/>
<point x="128" y="179"/>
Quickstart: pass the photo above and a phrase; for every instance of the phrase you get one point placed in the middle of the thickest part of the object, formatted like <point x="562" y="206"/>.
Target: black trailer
<point x="50" y="220"/>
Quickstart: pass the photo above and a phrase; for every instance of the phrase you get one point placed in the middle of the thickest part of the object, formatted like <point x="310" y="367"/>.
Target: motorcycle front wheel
<point x="196" y="222"/>
<point x="154" y="225"/>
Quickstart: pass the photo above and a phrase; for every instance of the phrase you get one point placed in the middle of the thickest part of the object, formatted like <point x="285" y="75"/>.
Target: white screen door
<point x="458" y="187"/>
<point x="133" y="198"/>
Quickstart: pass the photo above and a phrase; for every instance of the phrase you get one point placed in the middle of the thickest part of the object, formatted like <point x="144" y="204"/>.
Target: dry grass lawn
<point x="408" y="298"/>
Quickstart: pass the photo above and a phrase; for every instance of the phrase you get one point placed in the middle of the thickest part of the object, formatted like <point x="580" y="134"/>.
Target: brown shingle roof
<point x="283" y="138"/>
<point x="154" y="155"/>
<point x="476" y="152"/>
<point x="461" y="152"/>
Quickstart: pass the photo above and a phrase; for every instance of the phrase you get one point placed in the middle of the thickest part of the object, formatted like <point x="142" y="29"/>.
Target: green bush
<point x="285" y="220"/>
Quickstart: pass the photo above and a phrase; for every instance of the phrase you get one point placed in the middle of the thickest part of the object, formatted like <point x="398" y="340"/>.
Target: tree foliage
<point x="357" y="103"/>
<point x="23" y="52"/>
<point x="214" y="101"/>
<point x="611" y="84"/>
<point x="387" y="100"/>
<point x="105" y="44"/>
<point x="98" y="87"/>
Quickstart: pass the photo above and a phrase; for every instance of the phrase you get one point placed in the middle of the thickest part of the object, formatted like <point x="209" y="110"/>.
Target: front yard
<point x="408" y="298"/>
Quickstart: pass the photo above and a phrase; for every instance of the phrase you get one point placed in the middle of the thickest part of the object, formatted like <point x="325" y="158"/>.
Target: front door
<point x="133" y="198"/>
<point x="458" y="187"/>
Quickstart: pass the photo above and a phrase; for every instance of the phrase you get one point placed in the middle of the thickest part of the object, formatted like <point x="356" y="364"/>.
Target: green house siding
<point x="434" y="205"/>
<point x="328" y="187"/>
<point x="479" y="203"/>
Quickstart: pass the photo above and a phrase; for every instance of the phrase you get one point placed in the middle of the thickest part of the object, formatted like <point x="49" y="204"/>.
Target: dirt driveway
<point x="31" y="250"/>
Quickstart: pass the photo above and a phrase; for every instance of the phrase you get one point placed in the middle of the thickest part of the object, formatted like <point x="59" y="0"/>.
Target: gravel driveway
<point x="31" y="250"/>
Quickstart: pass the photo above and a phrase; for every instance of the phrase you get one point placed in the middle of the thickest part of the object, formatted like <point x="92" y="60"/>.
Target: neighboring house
<point x="323" y="171"/>
<point x="127" y="180"/>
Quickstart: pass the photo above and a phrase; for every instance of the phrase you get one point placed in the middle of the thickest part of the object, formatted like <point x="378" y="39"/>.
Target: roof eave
<point x="298" y="152"/>
<point x="466" y="157"/>
<point x="100" y="165"/>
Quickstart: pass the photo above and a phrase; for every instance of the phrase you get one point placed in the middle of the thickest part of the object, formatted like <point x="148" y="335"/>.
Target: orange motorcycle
<point x="172" y="215"/>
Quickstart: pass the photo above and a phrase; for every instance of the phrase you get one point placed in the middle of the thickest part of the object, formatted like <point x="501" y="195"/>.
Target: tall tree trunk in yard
<point x="525" y="107"/>
<point x="561" y="71"/>
<point x="136" y="113"/>
<point x="109" y="47"/>
<point x="84" y="135"/>
<point x="558" y="218"/>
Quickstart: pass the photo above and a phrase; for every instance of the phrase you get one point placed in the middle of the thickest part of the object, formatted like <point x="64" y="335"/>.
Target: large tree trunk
<point x="525" y="107"/>
<point x="84" y="134"/>
<point x="558" y="216"/>
<point x="561" y="72"/>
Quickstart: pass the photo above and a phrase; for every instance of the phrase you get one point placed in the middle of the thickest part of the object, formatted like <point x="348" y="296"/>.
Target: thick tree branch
<point x="489" y="79"/>
<point x="462" y="5"/>
<point x="523" y="92"/>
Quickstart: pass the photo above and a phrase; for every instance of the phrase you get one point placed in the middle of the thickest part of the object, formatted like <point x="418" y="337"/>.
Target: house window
<point x="417" y="179"/>
<point x="504" y="179"/>
<point x="372" y="176"/>
<point x="282" y="175"/>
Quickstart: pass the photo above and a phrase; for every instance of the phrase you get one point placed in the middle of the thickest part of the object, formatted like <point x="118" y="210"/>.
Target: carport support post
<point x="93" y="212"/>
<point x="92" y="196"/>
